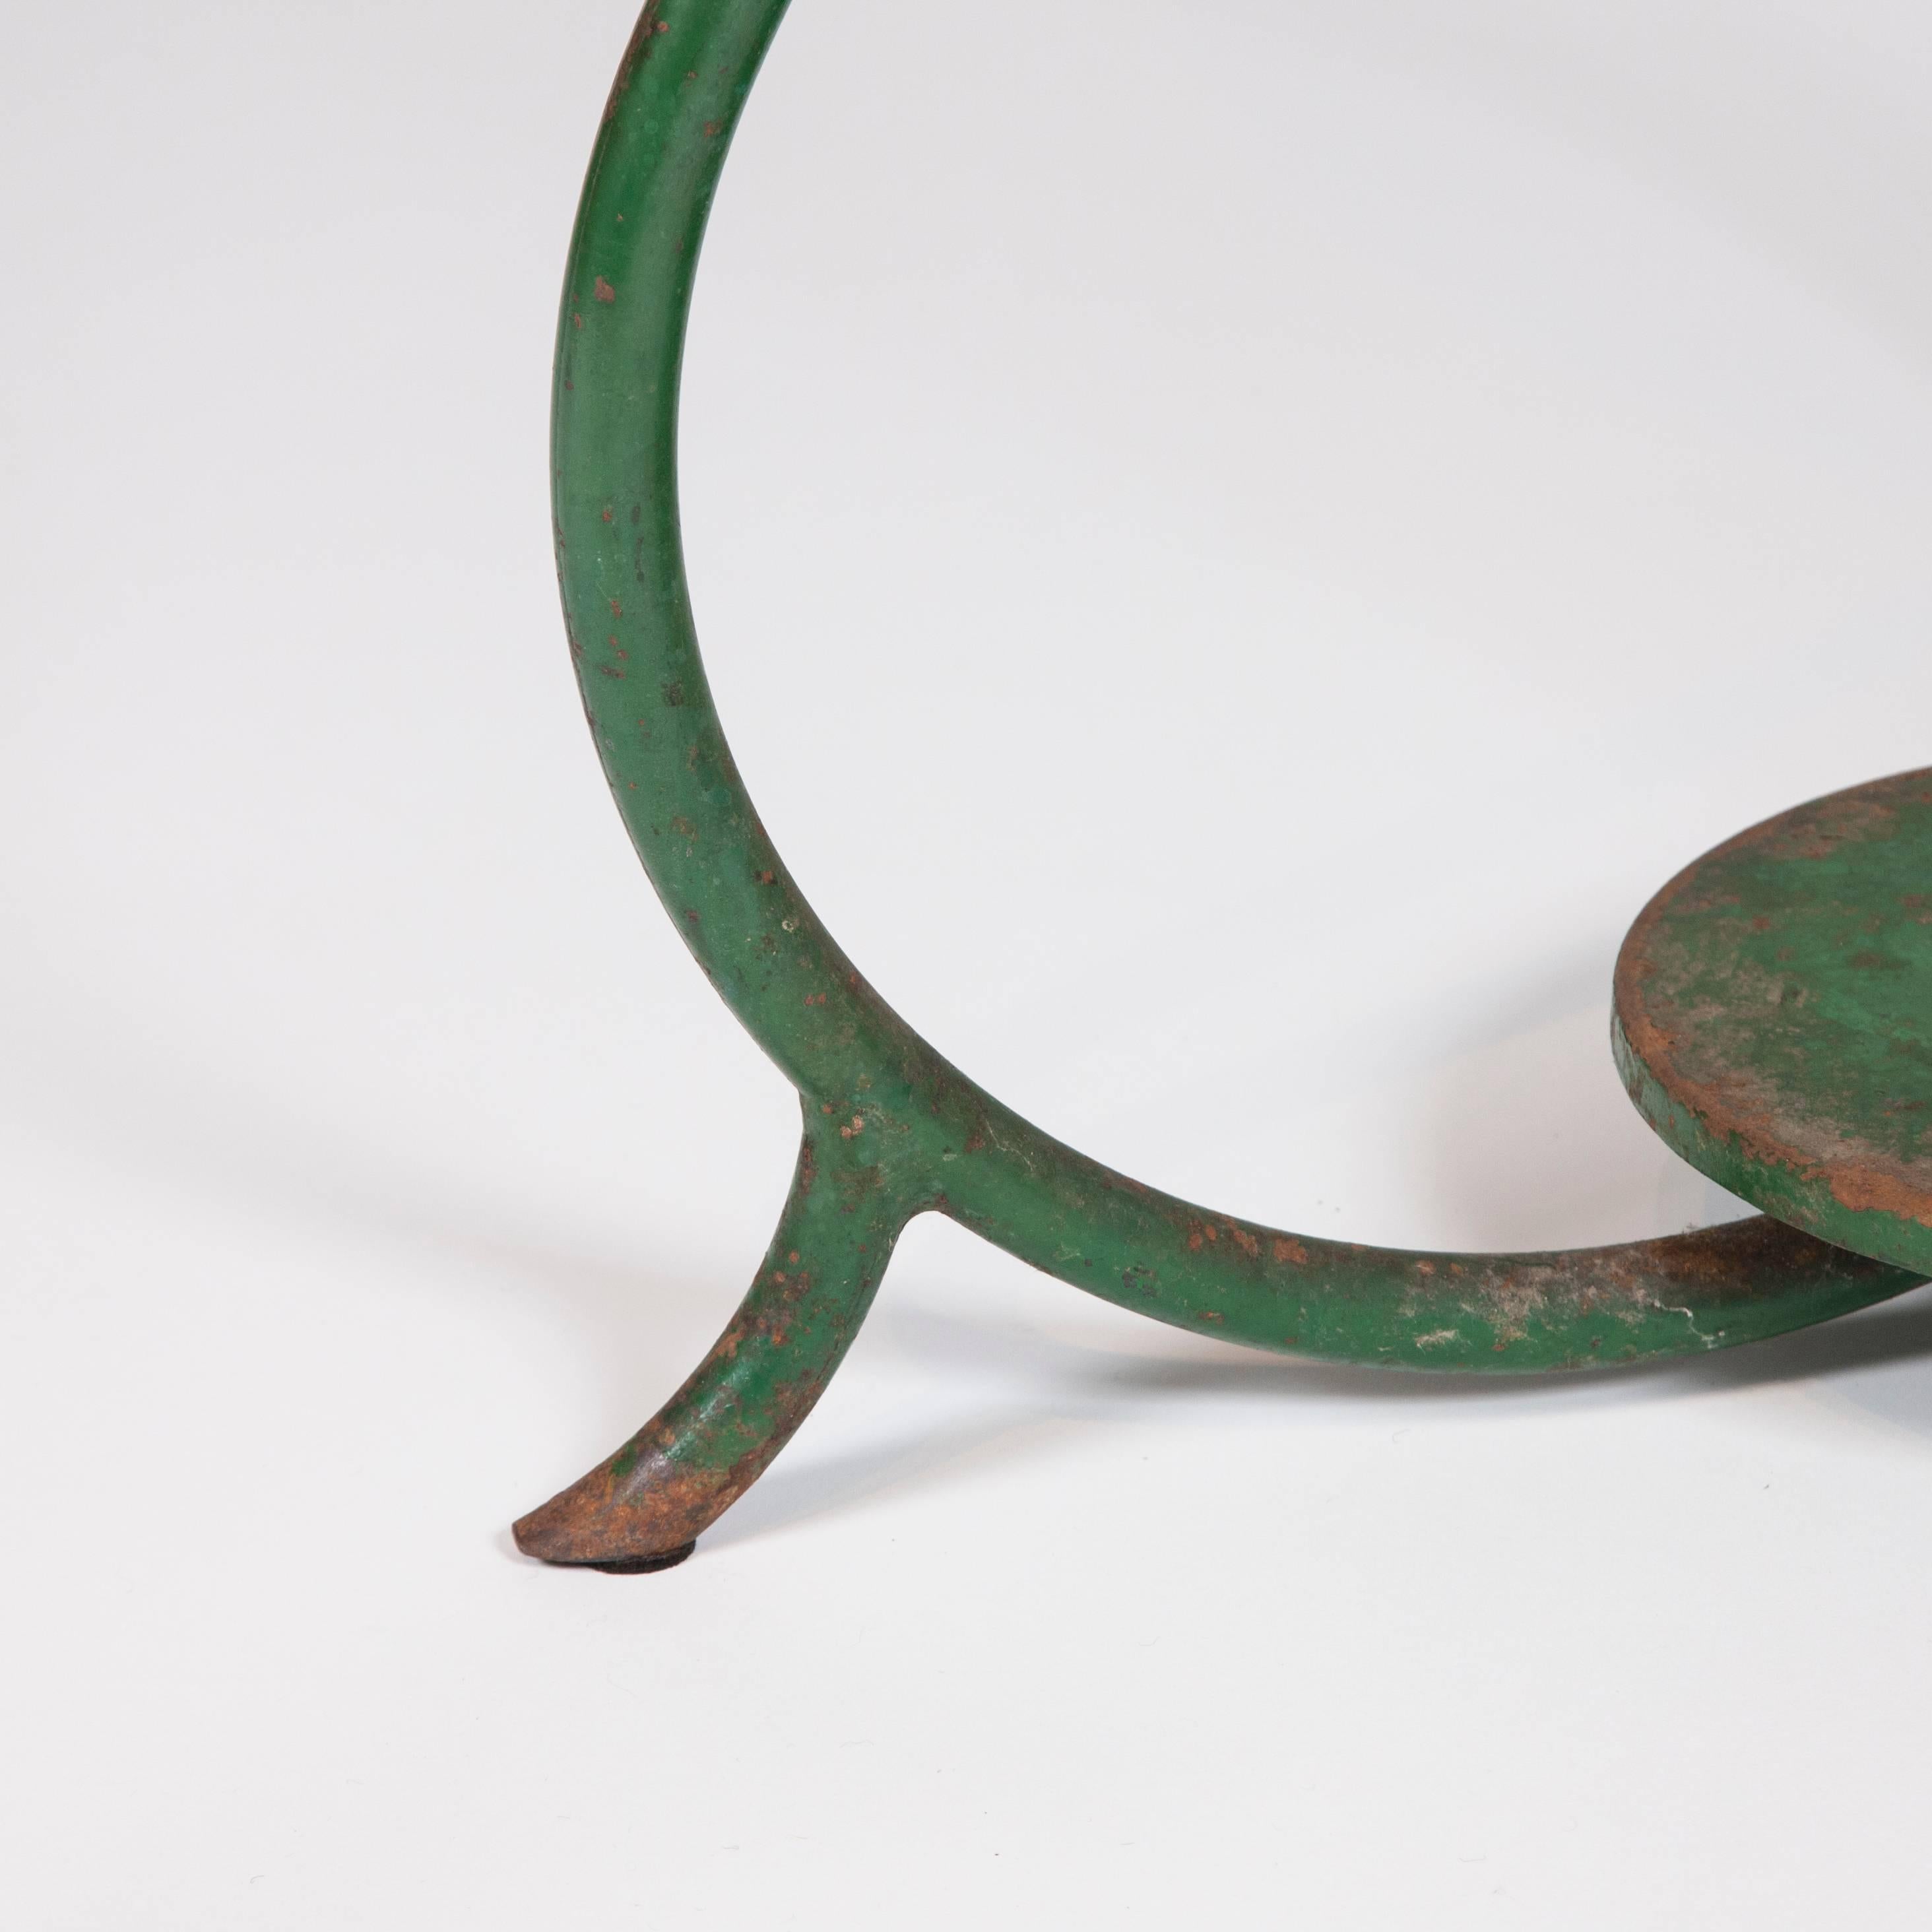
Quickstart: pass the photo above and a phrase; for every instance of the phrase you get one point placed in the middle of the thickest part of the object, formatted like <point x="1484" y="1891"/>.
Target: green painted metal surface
<point x="1774" y="1017"/>
<point x="891" y="1129"/>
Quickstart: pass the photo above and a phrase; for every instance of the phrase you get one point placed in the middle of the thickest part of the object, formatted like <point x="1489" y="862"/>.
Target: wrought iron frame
<point x="892" y="1130"/>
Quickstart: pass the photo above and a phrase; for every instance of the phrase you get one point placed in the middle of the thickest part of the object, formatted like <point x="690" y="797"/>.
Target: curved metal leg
<point x="892" y="1128"/>
<point x="644" y="1508"/>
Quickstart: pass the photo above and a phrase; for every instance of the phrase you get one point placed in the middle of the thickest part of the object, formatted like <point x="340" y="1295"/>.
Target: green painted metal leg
<point x="892" y="1127"/>
<point x="645" y="1507"/>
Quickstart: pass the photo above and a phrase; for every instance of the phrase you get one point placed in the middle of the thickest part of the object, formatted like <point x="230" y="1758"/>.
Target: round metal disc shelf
<point x="1774" y="1017"/>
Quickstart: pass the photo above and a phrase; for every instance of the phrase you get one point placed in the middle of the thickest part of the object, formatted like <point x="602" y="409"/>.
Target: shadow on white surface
<point x="999" y="1389"/>
<point x="1041" y="1388"/>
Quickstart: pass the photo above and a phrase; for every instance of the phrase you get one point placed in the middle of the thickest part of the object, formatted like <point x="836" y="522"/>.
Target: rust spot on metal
<point x="650" y="24"/>
<point x="1871" y="1189"/>
<point x="1693" y="1277"/>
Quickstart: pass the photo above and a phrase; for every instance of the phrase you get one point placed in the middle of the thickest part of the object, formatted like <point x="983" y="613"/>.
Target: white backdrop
<point x="1237" y="544"/>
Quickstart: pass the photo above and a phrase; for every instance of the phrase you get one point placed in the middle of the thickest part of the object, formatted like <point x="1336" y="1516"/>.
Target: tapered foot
<point x="711" y="1440"/>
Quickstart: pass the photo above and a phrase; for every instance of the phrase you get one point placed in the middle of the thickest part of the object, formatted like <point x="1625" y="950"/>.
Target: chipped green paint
<point x="1774" y="1017"/>
<point x="892" y="1130"/>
